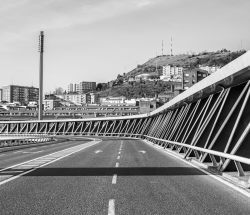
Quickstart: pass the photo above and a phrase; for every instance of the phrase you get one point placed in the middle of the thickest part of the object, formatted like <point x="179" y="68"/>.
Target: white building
<point x="1" y="94"/>
<point x="113" y="100"/>
<point x="77" y="99"/>
<point x="94" y="98"/>
<point x="209" y="69"/>
<point x="144" y="76"/>
<point x="50" y="104"/>
<point x="171" y="73"/>
<point x="73" y="88"/>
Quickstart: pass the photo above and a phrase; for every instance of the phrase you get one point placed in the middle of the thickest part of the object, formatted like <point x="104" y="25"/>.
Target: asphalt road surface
<point x="114" y="177"/>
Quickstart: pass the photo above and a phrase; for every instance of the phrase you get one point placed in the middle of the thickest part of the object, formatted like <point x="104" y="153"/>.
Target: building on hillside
<point x="85" y="87"/>
<point x="144" y="76"/>
<point x="113" y="100"/>
<point x="131" y="79"/>
<point x="209" y="69"/>
<point x="72" y="88"/>
<point x="147" y="105"/>
<point x="50" y="104"/>
<point x="94" y="98"/>
<point x="131" y="102"/>
<point x="171" y="73"/>
<point x="1" y="94"/>
<point x="191" y="77"/>
<point x="166" y="96"/>
<point x="33" y="104"/>
<point x="21" y="94"/>
<point x="76" y="99"/>
<point x="82" y="87"/>
<point x="86" y="98"/>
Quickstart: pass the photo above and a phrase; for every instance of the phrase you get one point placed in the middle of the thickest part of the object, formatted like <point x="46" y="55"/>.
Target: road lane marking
<point x="30" y="166"/>
<point x="114" y="179"/>
<point x="98" y="151"/>
<point x="117" y="164"/>
<point x="111" y="209"/>
<point x="166" y="151"/>
<point x="119" y="153"/>
<point x="118" y="157"/>
<point x="142" y="151"/>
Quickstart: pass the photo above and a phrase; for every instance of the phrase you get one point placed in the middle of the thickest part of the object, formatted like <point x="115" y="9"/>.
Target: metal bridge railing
<point x="19" y="140"/>
<point x="238" y="160"/>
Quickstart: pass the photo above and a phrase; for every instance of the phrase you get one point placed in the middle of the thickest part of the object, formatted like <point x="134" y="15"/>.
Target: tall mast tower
<point x="162" y="48"/>
<point x="41" y="49"/>
<point x="171" y="45"/>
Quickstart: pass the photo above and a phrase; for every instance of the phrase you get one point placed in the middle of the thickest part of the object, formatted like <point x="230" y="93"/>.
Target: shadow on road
<point x="122" y="171"/>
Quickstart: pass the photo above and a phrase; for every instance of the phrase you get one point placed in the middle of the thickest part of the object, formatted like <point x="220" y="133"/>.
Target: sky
<point x="95" y="40"/>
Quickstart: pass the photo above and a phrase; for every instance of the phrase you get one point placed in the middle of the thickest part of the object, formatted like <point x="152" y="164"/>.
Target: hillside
<point x="137" y="89"/>
<point x="219" y="58"/>
<point x="150" y="89"/>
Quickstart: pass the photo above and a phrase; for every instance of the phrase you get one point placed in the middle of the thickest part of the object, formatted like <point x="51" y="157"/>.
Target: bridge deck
<point x="146" y="182"/>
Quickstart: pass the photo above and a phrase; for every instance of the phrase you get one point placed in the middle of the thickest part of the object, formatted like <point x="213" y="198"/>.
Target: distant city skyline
<point x="95" y="40"/>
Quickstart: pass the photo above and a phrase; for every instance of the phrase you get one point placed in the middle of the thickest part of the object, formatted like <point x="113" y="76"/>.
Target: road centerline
<point x="114" y="179"/>
<point x="111" y="207"/>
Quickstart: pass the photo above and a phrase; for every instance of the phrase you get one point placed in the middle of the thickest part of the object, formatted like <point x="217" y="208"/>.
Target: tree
<point x="58" y="91"/>
<point x="99" y="87"/>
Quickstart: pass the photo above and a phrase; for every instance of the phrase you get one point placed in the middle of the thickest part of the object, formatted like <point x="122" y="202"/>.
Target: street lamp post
<point x="41" y="49"/>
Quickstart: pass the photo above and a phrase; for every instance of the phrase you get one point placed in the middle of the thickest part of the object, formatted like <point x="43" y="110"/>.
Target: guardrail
<point x="223" y="157"/>
<point x="19" y="140"/>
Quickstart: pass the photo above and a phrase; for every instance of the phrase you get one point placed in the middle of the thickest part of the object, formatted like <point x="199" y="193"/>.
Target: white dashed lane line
<point x="142" y="151"/>
<point x="118" y="157"/>
<point x="117" y="164"/>
<point x="114" y="179"/>
<point x="98" y="151"/>
<point x="111" y="209"/>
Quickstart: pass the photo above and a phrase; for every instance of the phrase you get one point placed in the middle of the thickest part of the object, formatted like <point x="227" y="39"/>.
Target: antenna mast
<point x="171" y="46"/>
<point x="162" y="47"/>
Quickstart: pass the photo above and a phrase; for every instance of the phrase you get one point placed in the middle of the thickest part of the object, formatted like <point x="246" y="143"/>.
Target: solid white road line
<point x="111" y="209"/>
<point x="241" y="190"/>
<point x="118" y="157"/>
<point x="114" y="179"/>
<point x="117" y="164"/>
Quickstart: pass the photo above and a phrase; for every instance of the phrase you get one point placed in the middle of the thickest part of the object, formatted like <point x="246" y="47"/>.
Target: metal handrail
<point x="208" y="151"/>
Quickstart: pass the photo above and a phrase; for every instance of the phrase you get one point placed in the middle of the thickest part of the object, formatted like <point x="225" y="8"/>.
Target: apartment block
<point x="21" y="94"/>
<point x="85" y="86"/>
<point x="191" y="77"/>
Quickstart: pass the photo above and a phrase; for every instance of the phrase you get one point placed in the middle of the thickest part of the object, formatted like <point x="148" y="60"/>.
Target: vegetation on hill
<point x="219" y="58"/>
<point x="137" y="89"/>
<point x="149" y="88"/>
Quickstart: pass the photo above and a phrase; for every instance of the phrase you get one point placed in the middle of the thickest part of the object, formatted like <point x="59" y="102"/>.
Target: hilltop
<point x="218" y="58"/>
